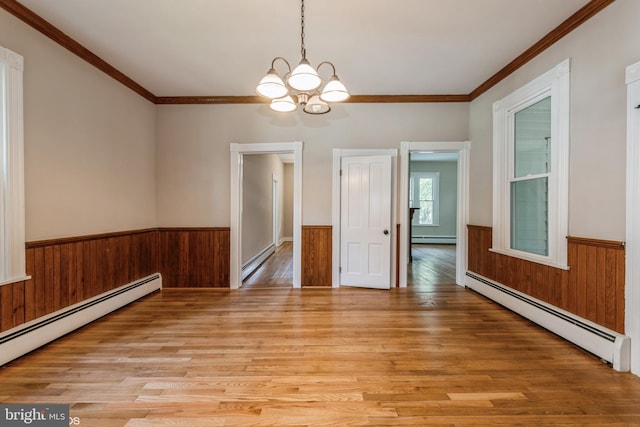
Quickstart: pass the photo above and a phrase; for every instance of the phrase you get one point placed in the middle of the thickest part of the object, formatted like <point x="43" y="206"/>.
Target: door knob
<point x="386" y="232"/>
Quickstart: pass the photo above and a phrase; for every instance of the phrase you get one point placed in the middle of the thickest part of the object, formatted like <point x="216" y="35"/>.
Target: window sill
<point x="14" y="280"/>
<point x="530" y="258"/>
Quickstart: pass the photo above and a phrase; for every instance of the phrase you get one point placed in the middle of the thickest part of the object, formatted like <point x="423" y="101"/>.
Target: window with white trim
<point x="531" y="170"/>
<point x="424" y="189"/>
<point x="12" y="238"/>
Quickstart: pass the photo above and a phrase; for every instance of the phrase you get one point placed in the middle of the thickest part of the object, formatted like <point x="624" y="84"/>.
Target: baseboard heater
<point x="609" y="345"/>
<point x="443" y="240"/>
<point x="27" y="337"/>
<point x="251" y="265"/>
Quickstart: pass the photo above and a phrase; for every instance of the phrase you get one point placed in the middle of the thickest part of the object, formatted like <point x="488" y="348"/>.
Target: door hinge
<point x="340" y="172"/>
<point x="339" y="269"/>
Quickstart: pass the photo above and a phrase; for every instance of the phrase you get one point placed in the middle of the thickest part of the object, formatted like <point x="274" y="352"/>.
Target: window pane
<point x="529" y="216"/>
<point x="426" y="188"/>
<point x="426" y="212"/>
<point x="532" y="139"/>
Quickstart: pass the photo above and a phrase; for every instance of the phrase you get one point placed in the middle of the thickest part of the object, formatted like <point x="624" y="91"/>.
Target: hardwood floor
<point x="275" y="271"/>
<point x="439" y="355"/>
<point x="432" y="265"/>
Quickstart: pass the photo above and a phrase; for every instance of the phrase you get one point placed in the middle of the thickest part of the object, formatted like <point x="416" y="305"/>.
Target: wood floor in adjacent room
<point x="421" y="355"/>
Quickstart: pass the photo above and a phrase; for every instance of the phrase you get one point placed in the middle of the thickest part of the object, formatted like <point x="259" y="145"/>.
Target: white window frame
<point x="12" y="228"/>
<point x="435" y="177"/>
<point x="554" y="83"/>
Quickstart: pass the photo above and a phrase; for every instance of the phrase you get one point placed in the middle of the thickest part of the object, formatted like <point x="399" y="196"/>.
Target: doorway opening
<point x="432" y="233"/>
<point x="241" y="235"/>
<point x="267" y="259"/>
<point x="433" y="217"/>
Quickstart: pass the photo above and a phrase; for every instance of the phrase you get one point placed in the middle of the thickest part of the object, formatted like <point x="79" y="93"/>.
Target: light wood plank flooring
<point x="432" y="265"/>
<point x="275" y="271"/>
<point x="326" y="357"/>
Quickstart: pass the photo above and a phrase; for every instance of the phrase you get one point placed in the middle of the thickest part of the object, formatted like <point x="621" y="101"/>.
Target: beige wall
<point x="257" y="202"/>
<point x="193" y="149"/>
<point x="287" y="214"/>
<point x="100" y="158"/>
<point x="89" y="143"/>
<point x="600" y="50"/>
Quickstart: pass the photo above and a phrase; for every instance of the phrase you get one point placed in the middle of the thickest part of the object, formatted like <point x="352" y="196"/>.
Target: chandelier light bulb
<point x="272" y="86"/>
<point x="315" y="105"/>
<point x="283" y="105"/>
<point x="334" y="91"/>
<point x="304" y="77"/>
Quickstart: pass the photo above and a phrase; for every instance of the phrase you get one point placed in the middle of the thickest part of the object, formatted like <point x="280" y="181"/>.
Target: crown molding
<point x="568" y="25"/>
<point x="354" y="99"/>
<point x="49" y="30"/>
<point x="406" y="98"/>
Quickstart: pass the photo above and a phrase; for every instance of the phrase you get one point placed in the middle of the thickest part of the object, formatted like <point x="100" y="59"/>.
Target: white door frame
<point x="275" y="207"/>
<point x="462" y="148"/>
<point x="237" y="153"/>
<point x="632" y="252"/>
<point x="338" y="154"/>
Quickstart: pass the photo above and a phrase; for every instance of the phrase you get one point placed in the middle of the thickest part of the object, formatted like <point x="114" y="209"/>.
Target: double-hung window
<point x="424" y="188"/>
<point x="531" y="163"/>
<point x="12" y="237"/>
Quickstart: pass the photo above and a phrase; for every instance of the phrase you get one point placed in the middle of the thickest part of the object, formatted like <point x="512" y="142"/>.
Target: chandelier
<point x="303" y="83"/>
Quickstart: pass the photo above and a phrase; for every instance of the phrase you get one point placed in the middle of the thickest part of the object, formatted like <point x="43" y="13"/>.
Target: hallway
<point x="275" y="271"/>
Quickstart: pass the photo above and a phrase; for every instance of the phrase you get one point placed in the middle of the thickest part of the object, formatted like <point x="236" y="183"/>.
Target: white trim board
<point x="462" y="149"/>
<point x="237" y="153"/>
<point x="632" y="251"/>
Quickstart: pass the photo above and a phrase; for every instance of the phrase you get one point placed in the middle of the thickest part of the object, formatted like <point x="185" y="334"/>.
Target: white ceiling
<point x="379" y="47"/>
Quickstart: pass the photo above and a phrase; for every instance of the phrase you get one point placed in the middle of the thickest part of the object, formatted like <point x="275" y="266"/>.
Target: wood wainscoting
<point x="194" y="257"/>
<point x="316" y="255"/>
<point x="593" y="287"/>
<point x="67" y="271"/>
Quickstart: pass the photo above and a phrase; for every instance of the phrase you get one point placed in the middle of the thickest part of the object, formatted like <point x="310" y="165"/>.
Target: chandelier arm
<point x="273" y="63"/>
<point x="327" y="62"/>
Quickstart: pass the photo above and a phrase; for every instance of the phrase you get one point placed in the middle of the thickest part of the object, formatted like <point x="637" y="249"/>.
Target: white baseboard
<point x="603" y="342"/>
<point x="285" y="239"/>
<point x="27" y="337"/>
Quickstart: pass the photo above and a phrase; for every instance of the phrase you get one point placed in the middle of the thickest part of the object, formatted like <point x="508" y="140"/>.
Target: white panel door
<point x="365" y="235"/>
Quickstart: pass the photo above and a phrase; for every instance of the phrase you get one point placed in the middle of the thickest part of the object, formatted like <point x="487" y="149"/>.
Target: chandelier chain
<point x="303" y="51"/>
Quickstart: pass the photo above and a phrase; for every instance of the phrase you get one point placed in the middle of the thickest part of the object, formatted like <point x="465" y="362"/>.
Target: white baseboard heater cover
<point x="609" y="345"/>
<point x="27" y="337"/>
<point x="257" y="260"/>
<point x="445" y="240"/>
